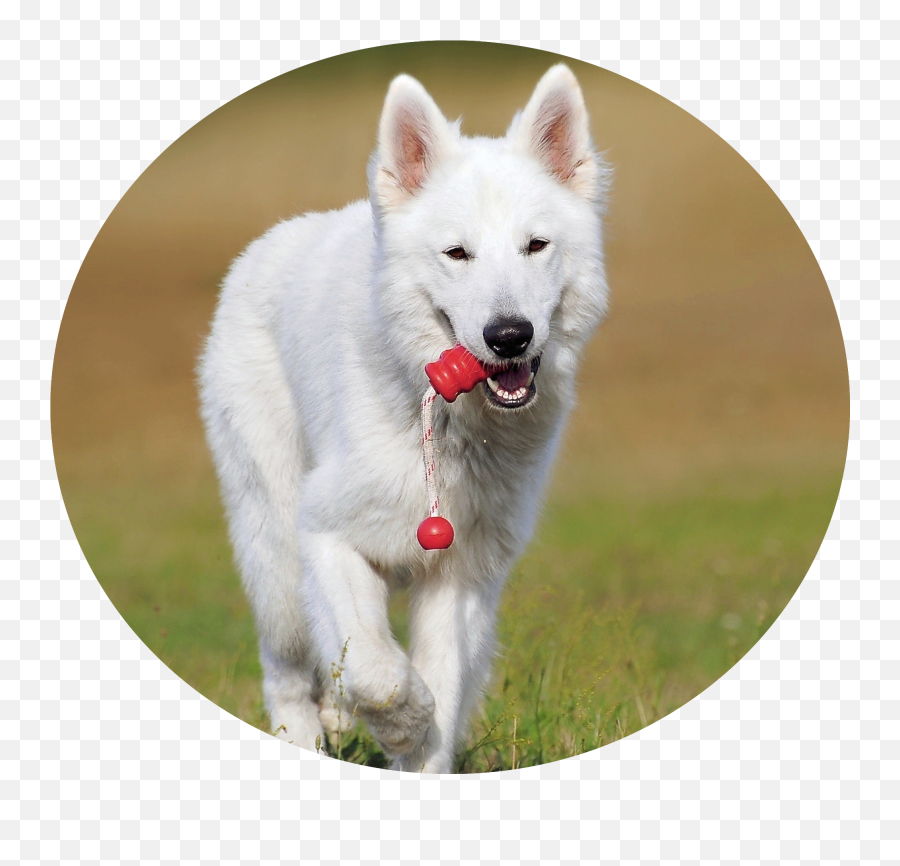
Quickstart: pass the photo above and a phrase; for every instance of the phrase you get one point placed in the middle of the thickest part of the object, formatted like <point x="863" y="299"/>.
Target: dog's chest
<point x="487" y="484"/>
<point x="489" y="480"/>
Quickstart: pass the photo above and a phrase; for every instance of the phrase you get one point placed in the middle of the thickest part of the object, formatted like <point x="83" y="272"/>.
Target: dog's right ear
<point x="413" y="137"/>
<point x="553" y="128"/>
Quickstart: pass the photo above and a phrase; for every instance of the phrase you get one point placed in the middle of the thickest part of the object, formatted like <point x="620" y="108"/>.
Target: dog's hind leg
<point x="253" y="433"/>
<point x="269" y="561"/>
<point x="290" y="692"/>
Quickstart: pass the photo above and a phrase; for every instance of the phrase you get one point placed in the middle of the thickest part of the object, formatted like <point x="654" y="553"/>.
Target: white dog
<point x="311" y="384"/>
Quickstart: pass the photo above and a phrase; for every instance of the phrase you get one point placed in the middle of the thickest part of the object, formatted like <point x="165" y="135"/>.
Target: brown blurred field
<point x="700" y="469"/>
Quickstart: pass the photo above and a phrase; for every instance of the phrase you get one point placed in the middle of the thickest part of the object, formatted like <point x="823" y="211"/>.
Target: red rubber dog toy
<point x="456" y="372"/>
<point x="435" y="533"/>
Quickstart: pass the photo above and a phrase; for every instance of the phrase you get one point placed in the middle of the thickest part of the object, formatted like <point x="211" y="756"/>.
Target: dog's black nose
<point x="508" y="338"/>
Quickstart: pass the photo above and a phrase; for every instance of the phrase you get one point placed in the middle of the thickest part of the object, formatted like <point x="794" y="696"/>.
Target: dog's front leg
<point x="451" y="646"/>
<point x="347" y="602"/>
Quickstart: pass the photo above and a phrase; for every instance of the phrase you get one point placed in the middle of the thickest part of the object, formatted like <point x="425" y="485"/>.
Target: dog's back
<point x="292" y="298"/>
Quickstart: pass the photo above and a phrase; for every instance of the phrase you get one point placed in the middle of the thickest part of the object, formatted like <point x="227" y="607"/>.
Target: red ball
<point x="435" y="533"/>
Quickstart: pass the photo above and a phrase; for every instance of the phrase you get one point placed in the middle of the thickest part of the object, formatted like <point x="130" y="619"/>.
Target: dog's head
<point x="495" y="243"/>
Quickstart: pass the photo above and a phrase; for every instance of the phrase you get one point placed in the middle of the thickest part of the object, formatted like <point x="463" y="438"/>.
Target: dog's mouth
<point x="512" y="386"/>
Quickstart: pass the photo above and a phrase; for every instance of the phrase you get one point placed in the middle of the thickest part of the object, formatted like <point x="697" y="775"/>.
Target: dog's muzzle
<point x="512" y="386"/>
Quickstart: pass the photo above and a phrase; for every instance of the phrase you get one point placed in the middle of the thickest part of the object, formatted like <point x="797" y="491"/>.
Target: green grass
<point x="620" y="612"/>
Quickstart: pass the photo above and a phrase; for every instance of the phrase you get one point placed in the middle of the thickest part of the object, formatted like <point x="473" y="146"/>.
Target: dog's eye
<point x="536" y="245"/>
<point x="457" y="253"/>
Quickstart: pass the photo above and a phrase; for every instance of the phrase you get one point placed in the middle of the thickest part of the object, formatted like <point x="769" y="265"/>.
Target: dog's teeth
<point x="510" y="396"/>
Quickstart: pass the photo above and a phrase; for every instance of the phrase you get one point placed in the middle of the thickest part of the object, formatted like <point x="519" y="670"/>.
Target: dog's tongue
<point x="513" y="378"/>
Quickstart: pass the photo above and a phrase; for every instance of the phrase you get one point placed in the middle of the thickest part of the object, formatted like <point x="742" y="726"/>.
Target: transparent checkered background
<point x="108" y="756"/>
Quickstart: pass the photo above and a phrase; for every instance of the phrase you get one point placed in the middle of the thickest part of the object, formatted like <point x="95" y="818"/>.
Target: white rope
<point x="428" y="451"/>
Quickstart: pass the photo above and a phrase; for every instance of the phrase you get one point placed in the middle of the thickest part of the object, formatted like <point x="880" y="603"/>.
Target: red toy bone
<point x="456" y="372"/>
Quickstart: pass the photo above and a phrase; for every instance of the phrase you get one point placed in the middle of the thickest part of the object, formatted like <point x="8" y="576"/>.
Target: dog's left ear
<point x="413" y="138"/>
<point x="554" y="129"/>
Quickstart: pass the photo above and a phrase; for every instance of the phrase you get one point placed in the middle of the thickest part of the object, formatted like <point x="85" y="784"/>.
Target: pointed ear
<point x="413" y="138"/>
<point x="554" y="129"/>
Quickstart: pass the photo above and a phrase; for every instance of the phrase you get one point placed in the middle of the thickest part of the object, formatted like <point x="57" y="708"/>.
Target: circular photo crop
<point x="450" y="407"/>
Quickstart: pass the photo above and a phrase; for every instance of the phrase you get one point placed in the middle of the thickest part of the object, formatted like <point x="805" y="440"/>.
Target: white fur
<point x="311" y="381"/>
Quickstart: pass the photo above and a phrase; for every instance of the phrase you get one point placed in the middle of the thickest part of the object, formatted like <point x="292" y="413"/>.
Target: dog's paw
<point x="400" y="721"/>
<point x="298" y="723"/>
<point x="418" y="761"/>
<point x="335" y="719"/>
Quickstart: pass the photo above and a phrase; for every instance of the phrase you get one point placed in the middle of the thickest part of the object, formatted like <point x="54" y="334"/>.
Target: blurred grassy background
<point x="699" y="472"/>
